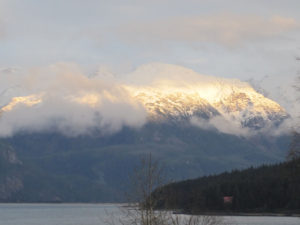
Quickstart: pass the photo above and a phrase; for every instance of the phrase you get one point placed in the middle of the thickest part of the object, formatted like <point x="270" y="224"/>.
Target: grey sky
<point x="257" y="39"/>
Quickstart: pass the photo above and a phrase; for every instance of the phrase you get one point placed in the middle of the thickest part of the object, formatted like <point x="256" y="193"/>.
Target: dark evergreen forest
<point x="269" y="188"/>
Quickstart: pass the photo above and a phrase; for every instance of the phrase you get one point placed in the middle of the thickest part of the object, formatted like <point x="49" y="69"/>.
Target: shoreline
<point x="262" y="214"/>
<point x="215" y="213"/>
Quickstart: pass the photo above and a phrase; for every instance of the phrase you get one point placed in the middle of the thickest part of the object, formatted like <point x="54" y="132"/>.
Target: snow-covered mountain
<point x="63" y="158"/>
<point x="176" y="92"/>
<point x="155" y="92"/>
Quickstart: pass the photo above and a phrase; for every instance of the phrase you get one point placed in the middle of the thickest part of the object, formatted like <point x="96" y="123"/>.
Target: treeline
<point x="274" y="188"/>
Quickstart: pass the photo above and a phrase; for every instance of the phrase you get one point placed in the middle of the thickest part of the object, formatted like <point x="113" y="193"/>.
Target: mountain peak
<point x="174" y="91"/>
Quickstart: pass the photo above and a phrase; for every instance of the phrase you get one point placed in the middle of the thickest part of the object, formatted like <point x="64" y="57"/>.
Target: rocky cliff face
<point x="8" y="154"/>
<point x="10" y="181"/>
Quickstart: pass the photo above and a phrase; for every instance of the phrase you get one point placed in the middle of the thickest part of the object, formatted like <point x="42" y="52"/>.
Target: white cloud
<point x="223" y="125"/>
<point x="234" y="126"/>
<point x="62" y="98"/>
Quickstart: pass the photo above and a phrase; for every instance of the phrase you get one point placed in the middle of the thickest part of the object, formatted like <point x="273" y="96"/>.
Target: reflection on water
<point x="98" y="214"/>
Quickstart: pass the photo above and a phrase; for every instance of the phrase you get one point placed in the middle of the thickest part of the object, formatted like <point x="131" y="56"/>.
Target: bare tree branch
<point x="141" y="203"/>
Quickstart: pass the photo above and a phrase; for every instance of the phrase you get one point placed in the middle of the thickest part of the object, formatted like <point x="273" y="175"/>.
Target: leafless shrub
<point x="196" y="220"/>
<point x="140" y="209"/>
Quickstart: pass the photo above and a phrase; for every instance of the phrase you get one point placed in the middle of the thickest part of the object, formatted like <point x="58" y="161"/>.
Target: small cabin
<point x="227" y="199"/>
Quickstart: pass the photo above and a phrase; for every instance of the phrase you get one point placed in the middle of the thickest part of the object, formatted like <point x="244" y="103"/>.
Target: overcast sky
<point x="258" y="39"/>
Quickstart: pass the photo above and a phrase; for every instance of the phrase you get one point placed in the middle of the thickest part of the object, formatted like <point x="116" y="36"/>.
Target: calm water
<point x="98" y="214"/>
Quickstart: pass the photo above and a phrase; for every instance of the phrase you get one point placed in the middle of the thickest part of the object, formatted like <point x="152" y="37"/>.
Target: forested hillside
<point x="274" y="188"/>
<point x="56" y="168"/>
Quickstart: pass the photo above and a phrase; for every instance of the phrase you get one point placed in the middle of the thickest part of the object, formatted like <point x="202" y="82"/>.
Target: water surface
<point x="99" y="214"/>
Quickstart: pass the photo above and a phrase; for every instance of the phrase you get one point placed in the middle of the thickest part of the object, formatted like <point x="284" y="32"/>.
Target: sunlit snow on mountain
<point x="61" y="97"/>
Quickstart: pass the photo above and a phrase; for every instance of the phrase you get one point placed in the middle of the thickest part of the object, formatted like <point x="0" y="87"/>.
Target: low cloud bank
<point x="222" y="125"/>
<point x="62" y="98"/>
<point x="234" y="126"/>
